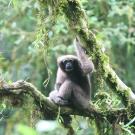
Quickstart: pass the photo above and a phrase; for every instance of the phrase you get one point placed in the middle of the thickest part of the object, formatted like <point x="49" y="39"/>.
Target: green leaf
<point x="24" y="130"/>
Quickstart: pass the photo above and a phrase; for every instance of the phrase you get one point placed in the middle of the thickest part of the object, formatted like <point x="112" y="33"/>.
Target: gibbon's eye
<point x="71" y="61"/>
<point x="64" y="62"/>
<point x="67" y="61"/>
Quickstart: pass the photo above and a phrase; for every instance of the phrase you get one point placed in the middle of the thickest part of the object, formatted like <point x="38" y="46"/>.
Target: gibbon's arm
<point x="87" y="65"/>
<point x="59" y="79"/>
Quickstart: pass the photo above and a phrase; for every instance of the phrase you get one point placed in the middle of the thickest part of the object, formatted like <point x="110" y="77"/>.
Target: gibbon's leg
<point x="80" y="99"/>
<point x="54" y="96"/>
<point x="62" y="96"/>
<point x="70" y="91"/>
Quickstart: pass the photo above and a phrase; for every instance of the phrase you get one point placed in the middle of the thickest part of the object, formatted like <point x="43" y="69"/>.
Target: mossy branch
<point x="23" y="88"/>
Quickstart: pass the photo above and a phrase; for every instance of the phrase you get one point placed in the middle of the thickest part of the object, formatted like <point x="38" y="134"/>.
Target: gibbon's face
<point x="68" y="65"/>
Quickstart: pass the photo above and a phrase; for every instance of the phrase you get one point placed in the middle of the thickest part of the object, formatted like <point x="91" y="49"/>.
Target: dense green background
<point x="26" y="54"/>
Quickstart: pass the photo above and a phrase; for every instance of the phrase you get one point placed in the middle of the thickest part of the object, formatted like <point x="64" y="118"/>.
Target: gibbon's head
<point x="68" y="63"/>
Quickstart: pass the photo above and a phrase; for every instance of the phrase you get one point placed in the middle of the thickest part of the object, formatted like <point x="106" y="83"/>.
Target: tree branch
<point x="21" y="87"/>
